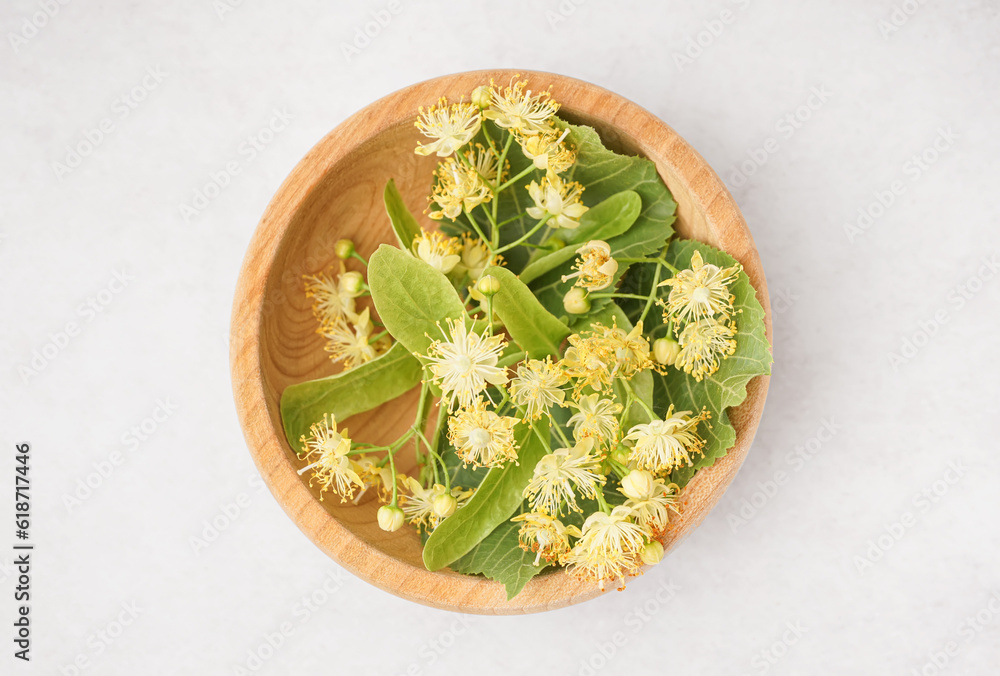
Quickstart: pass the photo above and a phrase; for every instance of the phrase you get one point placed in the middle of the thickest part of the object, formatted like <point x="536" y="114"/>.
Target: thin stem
<point x="527" y="170"/>
<point x="395" y="482"/>
<point x="601" y="502"/>
<point x="496" y="193"/>
<point x="526" y="236"/>
<point x="355" y="254"/>
<point x="645" y="406"/>
<point x="377" y="336"/>
<point x="541" y="438"/>
<point x="652" y="290"/>
<point x="475" y="225"/>
<point x="618" y="295"/>
<point x="559" y="432"/>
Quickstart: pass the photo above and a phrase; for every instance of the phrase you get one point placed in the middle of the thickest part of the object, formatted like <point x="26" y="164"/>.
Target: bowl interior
<point x="336" y="192"/>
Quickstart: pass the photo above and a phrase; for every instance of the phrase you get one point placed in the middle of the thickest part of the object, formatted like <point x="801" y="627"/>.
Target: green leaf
<point x="496" y="500"/>
<point x="411" y="297"/>
<point x="354" y="391"/>
<point x="403" y="223"/>
<point x="608" y="219"/>
<point x="727" y="386"/>
<point x="531" y="326"/>
<point x="500" y="557"/>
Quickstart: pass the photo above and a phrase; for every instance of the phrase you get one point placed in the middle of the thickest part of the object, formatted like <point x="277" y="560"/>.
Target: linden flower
<point x="609" y="549"/>
<point x="546" y="536"/>
<point x="663" y="445"/>
<point x="537" y="387"/>
<point x="558" y="200"/>
<point x="349" y="343"/>
<point x="332" y="297"/>
<point x="373" y="474"/>
<point x="417" y="502"/>
<point x="475" y="256"/>
<point x="704" y="344"/>
<point x="561" y="472"/>
<point x="596" y="268"/>
<point x="466" y="364"/>
<point x="700" y="292"/>
<point x="331" y="467"/>
<point x="650" y="500"/>
<point x="596" y="418"/>
<point x="631" y="350"/>
<point x="590" y="360"/>
<point x="481" y="437"/>
<point x="546" y="151"/>
<point x="458" y="187"/>
<point x="514" y="108"/>
<point x="450" y="127"/>
<point x="437" y="250"/>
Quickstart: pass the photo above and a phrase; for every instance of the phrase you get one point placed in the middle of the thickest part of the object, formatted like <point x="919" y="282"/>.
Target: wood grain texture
<point x="335" y="192"/>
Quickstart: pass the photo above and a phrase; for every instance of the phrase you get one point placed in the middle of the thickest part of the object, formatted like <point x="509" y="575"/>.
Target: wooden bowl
<point x="335" y="192"/>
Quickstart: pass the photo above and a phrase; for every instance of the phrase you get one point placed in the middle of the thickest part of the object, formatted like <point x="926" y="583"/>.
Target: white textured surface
<point x="841" y="308"/>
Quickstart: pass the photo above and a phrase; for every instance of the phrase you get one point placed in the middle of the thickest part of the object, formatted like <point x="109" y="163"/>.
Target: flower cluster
<point x="700" y="309"/>
<point x="348" y="333"/>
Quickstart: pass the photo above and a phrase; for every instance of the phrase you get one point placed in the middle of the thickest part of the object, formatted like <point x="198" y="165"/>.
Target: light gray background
<point x="844" y="303"/>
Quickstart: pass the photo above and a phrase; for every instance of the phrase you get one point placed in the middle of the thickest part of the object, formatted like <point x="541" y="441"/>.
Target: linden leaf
<point x="500" y="557"/>
<point x="496" y="500"/>
<point x="348" y="393"/>
<point x="727" y="386"/>
<point x="411" y="297"/>
<point x="403" y="222"/>
<point x="532" y="327"/>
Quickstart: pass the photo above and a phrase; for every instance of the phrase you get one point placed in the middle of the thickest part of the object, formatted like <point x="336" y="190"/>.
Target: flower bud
<point x="652" y="553"/>
<point x="353" y="283"/>
<point x="390" y="518"/>
<point x="637" y="484"/>
<point x="444" y="505"/>
<point x="488" y="285"/>
<point x="482" y="96"/>
<point x="344" y="248"/>
<point x="665" y="350"/>
<point x="620" y="455"/>
<point x="576" y="302"/>
<point x="555" y="242"/>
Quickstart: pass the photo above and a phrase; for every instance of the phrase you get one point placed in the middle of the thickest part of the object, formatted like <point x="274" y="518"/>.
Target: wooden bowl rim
<point x="268" y="446"/>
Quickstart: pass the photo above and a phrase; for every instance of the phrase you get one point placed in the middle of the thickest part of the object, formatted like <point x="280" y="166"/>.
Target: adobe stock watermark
<point x="92" y="138"/>
<point x="247" y="152"/>
<point x="706" y="37"/>
<point x="101" y="640"/>
<point x="785" y="128"/>
<point x="768" y="656"/>
<point x="898" y="16"/>
<point x="795" y="461"/>
<point x="896" y="530"/>
<point x="367" y="32"/>
<point x="609" y="645"/>
<point x="957" y="298"/>
<point x="564" y="10"/>
<point x="938" y="660"/>
<point x="913" y="169"/>
<point x="224" y="7"/>
<point x="33" y="24"/>
<point x="433" y="649"/>
<point x="229" y="512"/>
<point x="131" y="441"/>
<point x="301" y="612"/>
<point x="88" y="310"/>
